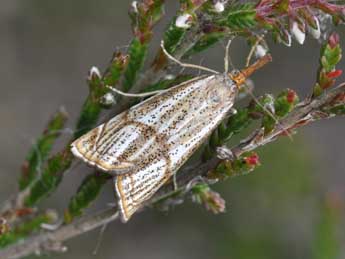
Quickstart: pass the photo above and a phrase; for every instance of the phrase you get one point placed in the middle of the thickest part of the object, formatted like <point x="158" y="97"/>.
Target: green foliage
<point x="86" y="193"/>
<point x="235" y="124"/>
<point x="241" y="166"/>
<point x="26" y="228"/>
<point x="173" y="37"/>
<point x="283" y="104"/>
<point x="137" y="54"/>
<point x="238" y="16"/>
<point x="114" y="70"/>
<point x="41" y="149"/>
<point x="331" y="54"/>
<point x="50" y="178"/>
<point x="206" y="41"/>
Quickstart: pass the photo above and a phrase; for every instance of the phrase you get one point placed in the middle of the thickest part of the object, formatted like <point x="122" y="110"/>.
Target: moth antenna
<point x="134" y="95"/>
<point x="185" y="64"/>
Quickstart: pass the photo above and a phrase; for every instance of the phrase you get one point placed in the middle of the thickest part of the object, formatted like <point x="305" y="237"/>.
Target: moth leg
<point x="175" y="182"/>
<point x="134" y="95"/>
<point x="186" y="64"/>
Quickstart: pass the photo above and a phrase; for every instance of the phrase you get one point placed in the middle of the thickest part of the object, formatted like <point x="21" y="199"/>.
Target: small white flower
<point x="108" y="99"/>
<point x="169" y="77"/>
<point x="94" y="71"/>
<point x="298" y="34"/>
<point x="260" y="51"/>
<point x="135" y="6"/>
<point x="184" y="21"/>
<point x="316" y="33"/>
<point x="219" y="6"/>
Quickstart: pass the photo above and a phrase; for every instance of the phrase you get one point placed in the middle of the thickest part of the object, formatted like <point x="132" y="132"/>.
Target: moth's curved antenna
<point x="186" y="64"/>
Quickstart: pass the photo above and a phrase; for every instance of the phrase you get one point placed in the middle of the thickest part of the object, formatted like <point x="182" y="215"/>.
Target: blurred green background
<point x="291" y="207"/>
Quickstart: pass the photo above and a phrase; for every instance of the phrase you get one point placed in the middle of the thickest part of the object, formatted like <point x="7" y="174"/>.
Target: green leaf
<point x="137" y="54"/>
<point x="41" y="149"/>
<point x="26" y="228"/>
<point x="236" y="124"/>
<point x="87" y="192"/>
<point x="50" y="178"/>
<point x="115" y="69"/>
<point x="238" y="16"/>
<point x="173" y="37"/>
<point x="205" y="42"/>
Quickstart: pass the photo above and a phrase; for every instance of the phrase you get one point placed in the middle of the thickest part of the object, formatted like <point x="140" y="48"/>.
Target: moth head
<point x="239" y="77"/>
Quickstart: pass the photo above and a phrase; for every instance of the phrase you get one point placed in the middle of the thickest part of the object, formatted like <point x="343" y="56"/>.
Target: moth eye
<point x="235" y="73"/>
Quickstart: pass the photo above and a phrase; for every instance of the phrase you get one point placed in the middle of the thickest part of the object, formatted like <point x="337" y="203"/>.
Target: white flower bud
<point x="135" y="6"/>
<point x="169" y="77"/>
<point x="219" y="6"/>
<point x="108" y="99"/>
<point x="184" y="21"/>
<point x="298" y="34"/>
<point x="94" y="71"/>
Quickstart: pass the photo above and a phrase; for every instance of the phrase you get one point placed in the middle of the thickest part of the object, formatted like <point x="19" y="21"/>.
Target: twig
<point x="48" y="241"/>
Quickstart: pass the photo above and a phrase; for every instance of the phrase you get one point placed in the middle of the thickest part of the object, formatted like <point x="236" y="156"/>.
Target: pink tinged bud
<point x="214" y="202"/>
<point x="184" y="21"/>
<point x="334" y="74"/>
<point x="252" y="160"/>
<point x="333" y="40"/>
<point x="291" y="96"/>
<point x="298" y="33"/>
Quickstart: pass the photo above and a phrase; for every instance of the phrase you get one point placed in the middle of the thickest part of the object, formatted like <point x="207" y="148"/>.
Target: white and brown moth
<point x="144" y="146"/>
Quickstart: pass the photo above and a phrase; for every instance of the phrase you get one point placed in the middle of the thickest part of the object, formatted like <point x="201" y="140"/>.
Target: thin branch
<point x="48" y="241"/>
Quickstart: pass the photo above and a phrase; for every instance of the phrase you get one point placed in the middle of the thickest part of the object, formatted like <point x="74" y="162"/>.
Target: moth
<point x="145" y="146"/>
